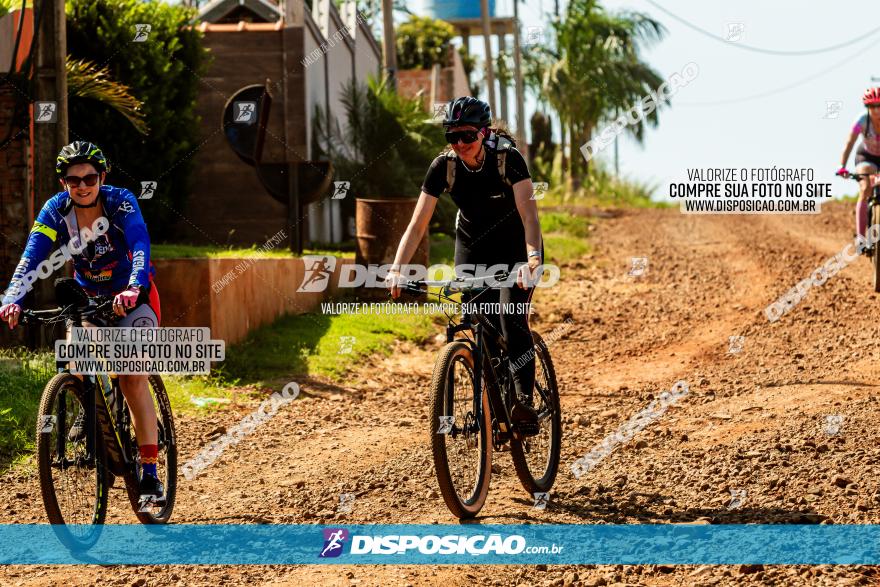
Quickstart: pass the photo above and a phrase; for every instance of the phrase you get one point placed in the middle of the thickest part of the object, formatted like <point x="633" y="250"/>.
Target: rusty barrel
<point x="380" y="226"/>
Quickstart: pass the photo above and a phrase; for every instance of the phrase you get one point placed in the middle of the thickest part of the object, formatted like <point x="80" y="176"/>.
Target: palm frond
<point x="87" y="80"/>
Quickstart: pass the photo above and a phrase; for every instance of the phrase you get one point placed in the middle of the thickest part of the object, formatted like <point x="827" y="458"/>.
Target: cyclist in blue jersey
<point x="113" y="262"/>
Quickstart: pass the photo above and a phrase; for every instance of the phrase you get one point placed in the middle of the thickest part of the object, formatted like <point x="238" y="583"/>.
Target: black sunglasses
<point x="74" y="181"/>
<point x="465" y="136"/>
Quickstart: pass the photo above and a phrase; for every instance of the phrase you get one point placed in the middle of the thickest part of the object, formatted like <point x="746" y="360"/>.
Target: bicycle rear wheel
<point x="536" y="458"/>
<point x="74" y="483"/>
<point x="462" y="446"/>
<point x="166" y="466"/>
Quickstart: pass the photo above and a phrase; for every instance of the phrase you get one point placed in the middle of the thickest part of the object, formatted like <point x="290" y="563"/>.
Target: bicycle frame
<point x="483" y="358"/>
<point x="97" y="410"/>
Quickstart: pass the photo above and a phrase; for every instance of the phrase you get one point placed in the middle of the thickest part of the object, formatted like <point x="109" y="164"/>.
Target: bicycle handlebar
<point x="97" y="306"/>
<point x="458" y="284"/>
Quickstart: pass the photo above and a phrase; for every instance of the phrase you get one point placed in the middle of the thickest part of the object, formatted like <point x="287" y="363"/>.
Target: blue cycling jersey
<point x="115" y="260"/>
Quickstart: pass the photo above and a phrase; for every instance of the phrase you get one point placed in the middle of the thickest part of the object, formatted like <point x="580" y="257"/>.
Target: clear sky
<point x="748" y="108"/>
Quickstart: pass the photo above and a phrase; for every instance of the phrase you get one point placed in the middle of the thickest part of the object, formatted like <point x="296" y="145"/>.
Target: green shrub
<point x="423" y="42"/>
<point x="164" y="73"/>
<point x="23" y="375"/>
<point x="387" y="145"/>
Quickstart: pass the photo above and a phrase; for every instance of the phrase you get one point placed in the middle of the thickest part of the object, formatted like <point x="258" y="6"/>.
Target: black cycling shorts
<point x="862" y="156"/>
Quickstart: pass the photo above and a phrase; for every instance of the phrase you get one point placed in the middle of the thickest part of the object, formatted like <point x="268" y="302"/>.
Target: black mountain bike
<point x="472" y="396"/>
<point x="873" y="218"/>
<point x="77" y="470"/>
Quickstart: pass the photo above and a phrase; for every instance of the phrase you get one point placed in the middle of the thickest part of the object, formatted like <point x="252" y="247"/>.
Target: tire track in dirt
<point x="753" y="420"/>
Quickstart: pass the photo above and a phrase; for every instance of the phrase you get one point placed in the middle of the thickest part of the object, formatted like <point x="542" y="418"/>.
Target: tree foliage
<point x="596" y="58"/>
<point x="164" y="74"/>
<point x="423" y="42"/>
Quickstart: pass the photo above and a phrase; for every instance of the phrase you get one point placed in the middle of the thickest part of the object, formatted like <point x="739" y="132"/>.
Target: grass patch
<point x="565" y="236"/>
<point x="565" y="223"/>
<point x="178" y="251"/>
<point x="22" y="377"/>
<point x="313" y="344"/>
<point x="601" y="189"/>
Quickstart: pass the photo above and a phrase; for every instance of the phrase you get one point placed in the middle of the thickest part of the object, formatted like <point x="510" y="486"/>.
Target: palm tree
<point x="597" y="60"/>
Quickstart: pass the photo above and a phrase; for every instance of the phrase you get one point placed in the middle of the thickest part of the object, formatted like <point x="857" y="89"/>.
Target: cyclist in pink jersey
<point x="867" y="155"/>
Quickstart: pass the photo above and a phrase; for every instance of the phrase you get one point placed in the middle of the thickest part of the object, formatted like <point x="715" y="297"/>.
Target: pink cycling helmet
<point x="871" y="96"/>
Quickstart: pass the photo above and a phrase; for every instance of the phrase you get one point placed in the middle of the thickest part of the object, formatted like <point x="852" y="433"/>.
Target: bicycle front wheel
<point x="536" y="458"/>
<point x="462" y="444"/>
<point x="73" y="478"/>
<point x="166" y="466"/>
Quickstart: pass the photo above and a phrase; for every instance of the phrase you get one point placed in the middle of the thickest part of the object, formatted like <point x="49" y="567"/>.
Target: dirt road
<point x="755" y="421"/>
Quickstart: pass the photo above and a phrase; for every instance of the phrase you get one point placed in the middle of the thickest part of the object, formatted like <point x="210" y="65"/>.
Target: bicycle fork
<point x="497" y="408"/>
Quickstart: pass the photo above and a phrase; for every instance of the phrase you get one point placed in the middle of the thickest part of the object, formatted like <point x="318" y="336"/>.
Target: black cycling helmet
<point x="467" y="110"/>
<point x="80" y="152"/>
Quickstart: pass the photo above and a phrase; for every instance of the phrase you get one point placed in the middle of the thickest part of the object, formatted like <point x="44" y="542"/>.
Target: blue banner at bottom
<point x="440" y="544"/>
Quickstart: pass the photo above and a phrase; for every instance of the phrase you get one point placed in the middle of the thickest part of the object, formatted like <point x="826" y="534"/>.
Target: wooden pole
<point x="487" y="43"/>
<point x="50" y="86"/>
<point x="522" y="144"/>
<point x="388" y="44"/>
<point x="502" y="86"/>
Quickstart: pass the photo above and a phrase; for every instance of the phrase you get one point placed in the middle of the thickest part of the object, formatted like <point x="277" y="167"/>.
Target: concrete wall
<point x="453" y="82"/>
<point x="308" y="69"/>
<point x="192" y="293"/>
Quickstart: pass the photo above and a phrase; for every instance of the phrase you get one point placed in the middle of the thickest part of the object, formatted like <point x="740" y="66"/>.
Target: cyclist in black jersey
<point x="497" y="223"/>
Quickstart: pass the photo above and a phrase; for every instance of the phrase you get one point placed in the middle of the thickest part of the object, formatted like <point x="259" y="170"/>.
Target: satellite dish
<point x="244" y="121"/>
